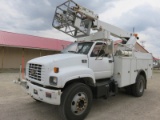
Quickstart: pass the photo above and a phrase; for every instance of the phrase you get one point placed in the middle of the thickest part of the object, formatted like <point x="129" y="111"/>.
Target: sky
<point x="34" y="17"/>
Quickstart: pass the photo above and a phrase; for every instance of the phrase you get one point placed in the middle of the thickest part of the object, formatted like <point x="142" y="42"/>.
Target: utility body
<point x="89" y="68"/>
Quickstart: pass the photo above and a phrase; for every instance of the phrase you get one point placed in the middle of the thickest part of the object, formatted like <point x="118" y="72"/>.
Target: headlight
<point x="53" y="80"/>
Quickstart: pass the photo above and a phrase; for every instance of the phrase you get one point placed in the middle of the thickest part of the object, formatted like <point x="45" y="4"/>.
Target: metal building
<point x="17" y="49"/>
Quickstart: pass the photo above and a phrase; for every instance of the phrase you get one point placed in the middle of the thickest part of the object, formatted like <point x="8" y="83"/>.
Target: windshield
<point x="81" y="47"/>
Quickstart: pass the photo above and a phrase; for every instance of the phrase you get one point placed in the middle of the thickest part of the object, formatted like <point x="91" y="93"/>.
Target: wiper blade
<point x="72" y="51"/>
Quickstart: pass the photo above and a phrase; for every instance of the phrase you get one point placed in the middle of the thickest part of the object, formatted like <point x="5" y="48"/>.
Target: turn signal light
<point x="56" y="70"/>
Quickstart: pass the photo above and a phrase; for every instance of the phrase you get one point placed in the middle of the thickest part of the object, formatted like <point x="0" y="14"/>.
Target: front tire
<point x="76" y="102"/>
<point x="138" y="87"/>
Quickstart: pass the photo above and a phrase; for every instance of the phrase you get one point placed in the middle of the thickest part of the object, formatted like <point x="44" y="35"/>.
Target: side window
<point x="99" y="50"/>
<point x="84" y="48"/>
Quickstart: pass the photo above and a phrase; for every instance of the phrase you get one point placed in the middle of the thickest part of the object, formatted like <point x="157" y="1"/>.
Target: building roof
<point x="28" y="41"/>
<point x="155" y="58"/>
<point x="117" y="41"/>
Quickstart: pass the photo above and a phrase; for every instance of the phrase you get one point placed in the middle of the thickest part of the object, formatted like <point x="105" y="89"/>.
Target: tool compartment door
<point x="122" y="70"/>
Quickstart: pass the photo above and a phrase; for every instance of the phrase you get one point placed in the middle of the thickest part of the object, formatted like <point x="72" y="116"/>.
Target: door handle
<point x="110" y="61"/>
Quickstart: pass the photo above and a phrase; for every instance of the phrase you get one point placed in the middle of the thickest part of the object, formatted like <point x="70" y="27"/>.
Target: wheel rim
<point x="79" y="103"/>
<point x="141" y="86"/>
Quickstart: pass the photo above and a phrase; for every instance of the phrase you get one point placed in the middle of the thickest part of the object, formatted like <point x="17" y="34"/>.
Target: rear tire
<point x="76" y="102"/>
<point x="138" y="87"/>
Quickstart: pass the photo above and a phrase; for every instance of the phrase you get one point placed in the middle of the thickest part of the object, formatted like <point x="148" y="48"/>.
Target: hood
<point x="57" y="58"/>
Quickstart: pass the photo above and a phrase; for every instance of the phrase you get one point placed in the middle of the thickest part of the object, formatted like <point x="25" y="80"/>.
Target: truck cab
<point x="78" y="60"/>
<point x="98" y="59"/>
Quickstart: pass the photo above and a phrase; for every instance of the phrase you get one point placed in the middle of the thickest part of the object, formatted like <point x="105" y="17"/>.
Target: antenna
<point x="133" y="30"/>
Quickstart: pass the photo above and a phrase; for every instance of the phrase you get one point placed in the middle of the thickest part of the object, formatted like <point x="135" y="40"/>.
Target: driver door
<point x="100" y="62"/>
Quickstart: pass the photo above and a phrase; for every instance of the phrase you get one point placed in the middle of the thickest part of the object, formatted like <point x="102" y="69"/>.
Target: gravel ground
<point x="15" y="104"/>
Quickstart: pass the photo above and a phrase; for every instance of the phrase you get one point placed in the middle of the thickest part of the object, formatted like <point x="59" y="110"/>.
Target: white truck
<point x="89" y="68"/>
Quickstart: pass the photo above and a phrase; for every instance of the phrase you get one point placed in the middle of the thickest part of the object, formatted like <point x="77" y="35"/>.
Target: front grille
<point x="35" y="71"/>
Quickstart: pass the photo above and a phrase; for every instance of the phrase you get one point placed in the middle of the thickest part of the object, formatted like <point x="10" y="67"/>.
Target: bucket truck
<point x="89" y="68"/>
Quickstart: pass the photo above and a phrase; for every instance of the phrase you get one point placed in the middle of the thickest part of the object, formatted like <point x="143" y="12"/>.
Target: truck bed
<point x="127" y="67"/>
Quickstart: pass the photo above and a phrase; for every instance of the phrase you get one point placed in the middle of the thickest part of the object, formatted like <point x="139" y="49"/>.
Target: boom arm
<point x="114" y="31"/>
<point x="77" y="21"/>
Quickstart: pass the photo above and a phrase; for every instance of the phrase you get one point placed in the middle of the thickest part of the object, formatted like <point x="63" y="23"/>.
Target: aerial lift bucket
<point x="73" y="19"/>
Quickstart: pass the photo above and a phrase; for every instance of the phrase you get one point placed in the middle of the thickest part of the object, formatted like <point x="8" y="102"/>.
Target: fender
<point x="71" y="73"/>
<point x="142" y="72"/>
